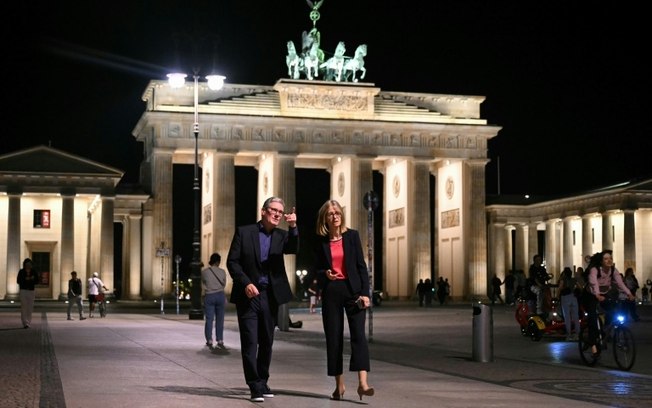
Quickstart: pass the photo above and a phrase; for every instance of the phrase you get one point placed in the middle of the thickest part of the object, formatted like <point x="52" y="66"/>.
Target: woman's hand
<point x="330" y="274"/>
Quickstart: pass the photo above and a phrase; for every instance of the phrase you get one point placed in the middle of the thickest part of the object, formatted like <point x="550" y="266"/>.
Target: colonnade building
<point x="565" y="231"/>
<point x="350" y="130"/>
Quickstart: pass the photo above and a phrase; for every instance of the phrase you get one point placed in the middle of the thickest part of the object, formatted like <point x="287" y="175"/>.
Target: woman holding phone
<point x="342" y="272"/>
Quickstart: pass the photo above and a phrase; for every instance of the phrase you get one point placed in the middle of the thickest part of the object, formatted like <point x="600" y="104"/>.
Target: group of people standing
<point x="599" y="285"/>
<point x="581" y="290"/>
<point x="28" y="278"/>
<point x="426" y="290"/>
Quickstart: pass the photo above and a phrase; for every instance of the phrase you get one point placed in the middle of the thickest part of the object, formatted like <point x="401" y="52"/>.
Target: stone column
<point x="522" y="239"/>
<point x="532" y="244"/>
<point x="361" y="182"/>
<point x="607" y="232"/>
<point x="67" y="242"/>
<point x="567" y="243"/>
<point x="134" y="251"/>
<point x="13" y="246"/>
<point x="419" y="222"/>
<point x="435" y="222"/>
<point x="148" y="248"/>
<point x="629" y="240"/>
<point x="508" y="248"/>
<point x="223" y="199"/>
<point x="106" y="242"/>
<point x="285" y="187"/>
<point x="498" y="252"/>
<point x="162" y="220"/>
<point x="476" y="235"/>
<point x="552" y="262"/>
<point x="587" y="238"/>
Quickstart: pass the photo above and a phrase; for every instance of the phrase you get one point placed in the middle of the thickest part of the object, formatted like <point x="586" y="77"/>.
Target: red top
<point x="337" y="256"/>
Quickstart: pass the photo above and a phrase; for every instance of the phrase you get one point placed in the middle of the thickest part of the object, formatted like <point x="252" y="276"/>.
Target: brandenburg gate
<point x="348" y="129"/>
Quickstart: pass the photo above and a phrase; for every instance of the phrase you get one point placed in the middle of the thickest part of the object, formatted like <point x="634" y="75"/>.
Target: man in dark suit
<point x="260" y="284"/>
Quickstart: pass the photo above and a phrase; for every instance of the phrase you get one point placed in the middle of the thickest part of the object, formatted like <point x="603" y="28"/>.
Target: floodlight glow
<point x="177" y="79"/>
<point x="215" y="82"/>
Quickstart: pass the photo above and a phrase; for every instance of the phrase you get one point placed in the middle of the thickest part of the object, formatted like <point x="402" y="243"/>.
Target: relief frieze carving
<point x="258" y="134"/>
<point x="299" y="136"/>
<point x="433" y="140"/>
<point x="450" y="218"/>
<point x="351" y="103"/>
<point x="451" y="142"/>
<point x="358" y="137"/>
<point x="396" y="218"/>
<point x="174" y="129"/>
<point x="207" y="213"/>
<point x="279" y="135"/>
<point x="319" y="136"/>
<point x="218" y="133"/>
<point x="237" y="133"/>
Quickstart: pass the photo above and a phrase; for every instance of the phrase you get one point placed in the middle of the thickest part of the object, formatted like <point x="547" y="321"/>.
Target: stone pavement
<point x="137" y="357"/>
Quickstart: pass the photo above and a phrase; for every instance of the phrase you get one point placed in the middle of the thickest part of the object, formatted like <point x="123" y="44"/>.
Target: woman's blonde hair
<point x="322" y="217"/>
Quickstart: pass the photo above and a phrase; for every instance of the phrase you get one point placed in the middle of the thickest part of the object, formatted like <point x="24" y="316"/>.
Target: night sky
<point x="568" y="84"/>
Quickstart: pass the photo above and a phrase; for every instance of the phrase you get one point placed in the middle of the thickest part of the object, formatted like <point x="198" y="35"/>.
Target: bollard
<point x="483" y="333"/>
<point x="283" y="317"/>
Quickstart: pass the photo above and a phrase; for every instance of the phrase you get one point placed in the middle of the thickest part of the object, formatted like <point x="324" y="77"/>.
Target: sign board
<point x="161" y="252"/>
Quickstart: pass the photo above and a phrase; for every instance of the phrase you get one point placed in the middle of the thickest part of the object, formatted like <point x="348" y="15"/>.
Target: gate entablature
<point x="315" y="118"/>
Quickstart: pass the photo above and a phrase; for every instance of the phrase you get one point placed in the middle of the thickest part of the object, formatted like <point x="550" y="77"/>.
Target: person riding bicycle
<point x="602" y="274"/>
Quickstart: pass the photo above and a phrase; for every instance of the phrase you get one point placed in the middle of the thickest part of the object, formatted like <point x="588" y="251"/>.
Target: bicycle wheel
<point x="624" y="348"/>
<point x="102" y="307"/>
<point x="585" y="348"/>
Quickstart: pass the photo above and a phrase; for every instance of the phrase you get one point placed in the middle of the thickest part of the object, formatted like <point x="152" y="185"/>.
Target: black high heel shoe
<point x="337" y="395"/>
<point x="369" y="392"/>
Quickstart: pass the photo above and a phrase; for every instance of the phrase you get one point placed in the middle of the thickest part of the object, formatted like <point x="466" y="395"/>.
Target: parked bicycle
<point x="615" y="332"/>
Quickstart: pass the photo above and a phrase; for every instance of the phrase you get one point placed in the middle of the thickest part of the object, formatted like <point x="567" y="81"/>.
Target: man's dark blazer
<point x="243" y="262"/>
<point x="356" y="268"/>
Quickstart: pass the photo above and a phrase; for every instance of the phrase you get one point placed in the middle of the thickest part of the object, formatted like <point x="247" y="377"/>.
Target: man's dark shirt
<point x="539" y="274"/>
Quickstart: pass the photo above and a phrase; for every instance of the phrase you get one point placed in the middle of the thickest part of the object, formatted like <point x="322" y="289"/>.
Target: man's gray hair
<point x="273" y="200"/>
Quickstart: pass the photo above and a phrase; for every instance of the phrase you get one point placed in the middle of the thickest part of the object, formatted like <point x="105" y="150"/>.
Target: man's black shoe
<point x="267" y="393"/>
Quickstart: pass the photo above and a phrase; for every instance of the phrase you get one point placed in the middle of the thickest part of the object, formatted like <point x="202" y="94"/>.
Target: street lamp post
<point x="370" y="202"/>
<point x="177" y="259"/>
<point x="215" y="82"/>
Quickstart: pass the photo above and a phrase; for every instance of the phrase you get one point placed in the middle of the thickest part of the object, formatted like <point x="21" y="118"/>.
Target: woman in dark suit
<point x="342" y="271"/>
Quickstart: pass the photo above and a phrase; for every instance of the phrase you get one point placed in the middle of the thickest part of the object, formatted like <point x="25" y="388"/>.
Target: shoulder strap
<point x="218" y="279"/>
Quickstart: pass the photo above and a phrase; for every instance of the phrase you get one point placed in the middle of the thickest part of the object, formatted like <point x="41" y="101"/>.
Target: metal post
<point x="162" y="252"/>
<point x="215" y="82"/>
<point x="162" y="287"/>
<point x="177" y="259"/>
<point x="196" y="312"/>
<point x="370" y="202"/>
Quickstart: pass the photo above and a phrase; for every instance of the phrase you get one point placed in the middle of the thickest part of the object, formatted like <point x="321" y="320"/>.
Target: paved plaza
<point x="138" y="357"/>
